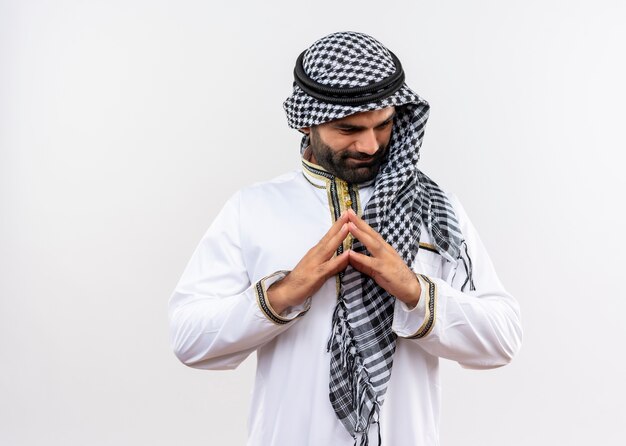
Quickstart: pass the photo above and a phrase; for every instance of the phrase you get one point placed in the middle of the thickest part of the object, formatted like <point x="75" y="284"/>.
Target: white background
<point x="126" y="124"/>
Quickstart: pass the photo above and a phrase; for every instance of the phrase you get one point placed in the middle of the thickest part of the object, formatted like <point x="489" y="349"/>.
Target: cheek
<point x="383" y="137"/>
<point x="337" y="141"/>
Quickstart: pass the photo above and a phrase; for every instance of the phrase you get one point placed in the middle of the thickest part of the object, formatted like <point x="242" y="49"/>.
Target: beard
<point x="350" y="166"/>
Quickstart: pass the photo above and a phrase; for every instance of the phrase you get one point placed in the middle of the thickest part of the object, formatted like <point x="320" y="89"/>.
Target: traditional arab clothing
<point x="340" y="75"/>
<point x="375" y="357"/>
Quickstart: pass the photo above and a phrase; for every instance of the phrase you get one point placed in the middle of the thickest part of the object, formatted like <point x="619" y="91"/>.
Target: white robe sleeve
<point x="479" y="329"/>
<point x="217" y="316"/>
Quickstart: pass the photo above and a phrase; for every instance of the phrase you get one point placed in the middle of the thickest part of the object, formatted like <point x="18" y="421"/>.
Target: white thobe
<point x="219" y="314"/>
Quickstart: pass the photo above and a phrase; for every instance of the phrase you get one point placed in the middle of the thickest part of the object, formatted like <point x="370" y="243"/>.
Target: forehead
<point x="373" y="117"/>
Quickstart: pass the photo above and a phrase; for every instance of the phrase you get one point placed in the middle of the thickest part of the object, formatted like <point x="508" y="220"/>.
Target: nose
<point x="366" y="142"/>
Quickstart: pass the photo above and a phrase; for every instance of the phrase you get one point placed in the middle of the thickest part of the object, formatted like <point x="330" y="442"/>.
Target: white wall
<point x="125" y="125"/>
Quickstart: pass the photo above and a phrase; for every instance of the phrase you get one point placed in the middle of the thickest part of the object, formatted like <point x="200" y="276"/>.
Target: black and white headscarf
<point x="340" y="75"/>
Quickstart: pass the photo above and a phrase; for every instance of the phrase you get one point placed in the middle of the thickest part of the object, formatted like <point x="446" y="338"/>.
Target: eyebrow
<point x="347" y="126"/>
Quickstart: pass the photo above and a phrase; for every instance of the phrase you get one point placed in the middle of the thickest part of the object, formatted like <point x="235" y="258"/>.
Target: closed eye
<point x="348" y="131"/>
<point x="386" y="124"/>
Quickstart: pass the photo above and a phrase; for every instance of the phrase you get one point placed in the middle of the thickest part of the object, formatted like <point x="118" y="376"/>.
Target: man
<point x="351" y="277"/>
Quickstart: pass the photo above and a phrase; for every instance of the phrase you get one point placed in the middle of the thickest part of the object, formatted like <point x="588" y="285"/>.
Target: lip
<point x="361" y="161"/>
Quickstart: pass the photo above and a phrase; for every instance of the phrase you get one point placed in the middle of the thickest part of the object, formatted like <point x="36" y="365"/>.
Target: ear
<point x="306" y="130"/>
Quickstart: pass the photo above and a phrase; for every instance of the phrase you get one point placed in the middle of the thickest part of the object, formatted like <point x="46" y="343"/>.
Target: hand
<point x="385" y="265"/>
<point x="313" y="270"/>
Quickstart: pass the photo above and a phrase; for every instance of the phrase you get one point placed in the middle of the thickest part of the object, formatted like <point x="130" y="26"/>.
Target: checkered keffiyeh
<point x="361" y="342"/>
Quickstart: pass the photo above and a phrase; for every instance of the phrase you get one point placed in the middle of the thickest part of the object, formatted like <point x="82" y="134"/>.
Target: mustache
<point x="378" y="155"/>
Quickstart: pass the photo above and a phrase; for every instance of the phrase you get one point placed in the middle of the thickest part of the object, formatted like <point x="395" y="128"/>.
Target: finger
<point x="326" y="248"/>
<point x="374" y="245"/>
<point x="335" y="228"/>
<point x="337" y="264"/>
<point x="363" y="263"/>
<point x="328" y="244"/>
<point x="377" y="240"/>
<point x="360" y="223"/>
<point x="363" y="226"/>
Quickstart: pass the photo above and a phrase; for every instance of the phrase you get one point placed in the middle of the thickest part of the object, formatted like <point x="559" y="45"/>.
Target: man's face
<point x="353" y="148"/>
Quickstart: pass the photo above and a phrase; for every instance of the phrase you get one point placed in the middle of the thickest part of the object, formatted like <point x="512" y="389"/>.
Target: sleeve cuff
<point x="291" y="313"/>
<point x="417" y="322"/>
